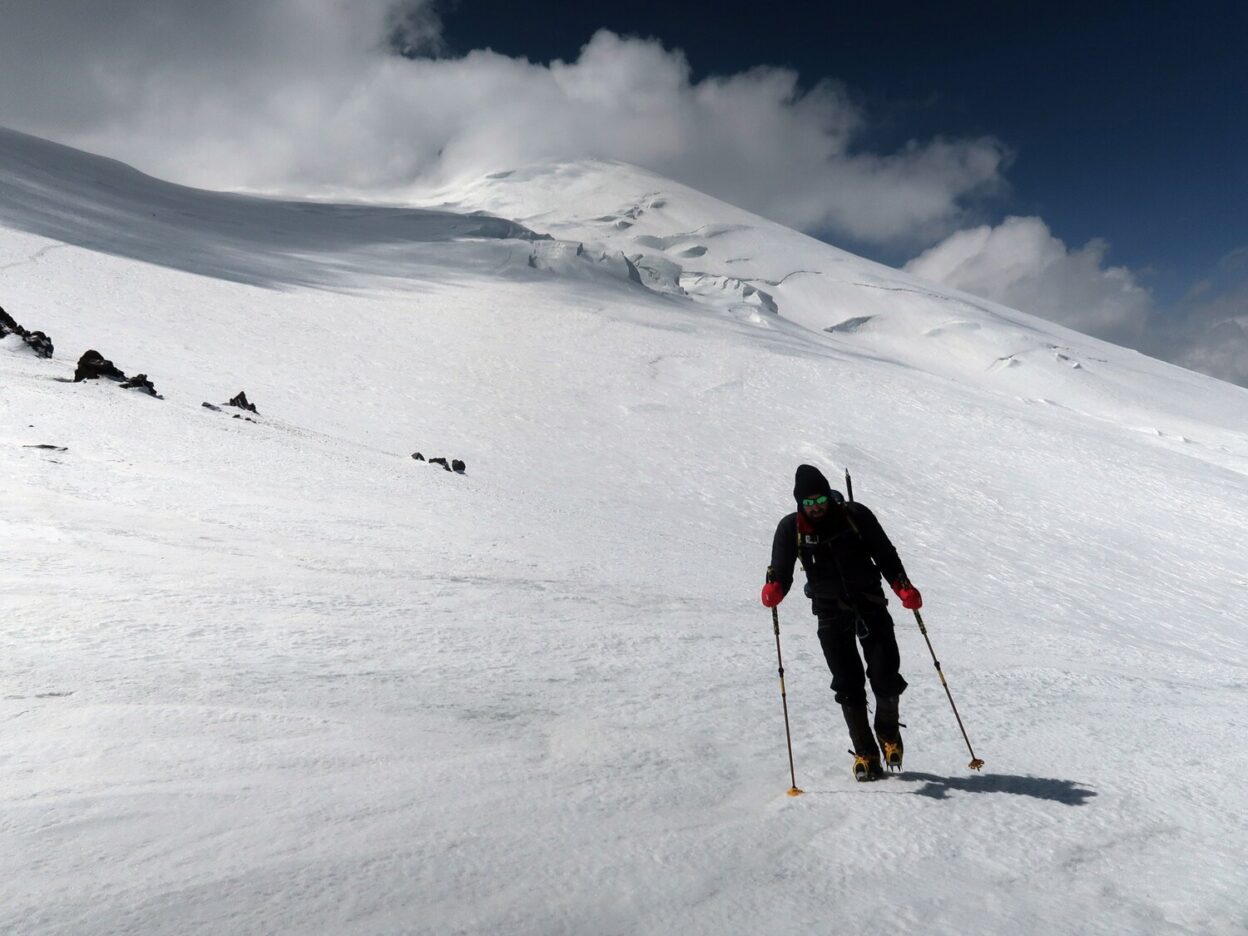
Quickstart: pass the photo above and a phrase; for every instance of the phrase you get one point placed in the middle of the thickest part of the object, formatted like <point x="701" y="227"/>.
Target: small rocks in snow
<point x="241" y="402"/>
<point x="454" y="464"/>
<point x="38" y="342"/>
<point x="140" y="382"/>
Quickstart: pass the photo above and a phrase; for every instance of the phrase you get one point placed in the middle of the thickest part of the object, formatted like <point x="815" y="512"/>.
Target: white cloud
<point x="1220" y="350"/>
<point x="1021" y="264"/>
<point x="1210" y="330"/>
<point x="296" y="95"/>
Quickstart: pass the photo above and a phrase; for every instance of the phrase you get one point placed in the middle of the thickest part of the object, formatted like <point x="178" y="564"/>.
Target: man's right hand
<point x="773" y="594"/>
<point x="911" y="600"/>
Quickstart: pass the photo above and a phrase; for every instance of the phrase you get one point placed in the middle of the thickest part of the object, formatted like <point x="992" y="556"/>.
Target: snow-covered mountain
<point x="271" y="674"/>
<point x="686" y="243"/>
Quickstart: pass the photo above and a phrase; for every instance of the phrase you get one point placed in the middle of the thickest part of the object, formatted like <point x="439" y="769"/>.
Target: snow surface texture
<point x="276" y="676"/>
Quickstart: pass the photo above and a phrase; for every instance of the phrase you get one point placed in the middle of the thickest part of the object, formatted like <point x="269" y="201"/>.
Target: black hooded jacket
<point x="844" y="554"/>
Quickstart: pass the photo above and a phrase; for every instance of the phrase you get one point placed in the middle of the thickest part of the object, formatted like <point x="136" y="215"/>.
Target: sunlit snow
<point x="277" y="676"/>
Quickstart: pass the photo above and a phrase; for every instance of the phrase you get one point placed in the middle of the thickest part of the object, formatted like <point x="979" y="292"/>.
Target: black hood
<point x="809" y="482"/>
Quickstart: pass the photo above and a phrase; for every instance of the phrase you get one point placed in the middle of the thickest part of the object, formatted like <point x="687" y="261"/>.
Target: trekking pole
<point x="975" y="763"/>
<point x="793" y="790"/>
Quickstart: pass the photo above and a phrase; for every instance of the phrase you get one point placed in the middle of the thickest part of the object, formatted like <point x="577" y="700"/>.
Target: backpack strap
<point x="803" y="527"/>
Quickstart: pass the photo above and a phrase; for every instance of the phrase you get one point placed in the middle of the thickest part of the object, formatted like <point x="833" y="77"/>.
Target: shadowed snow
<point x="103" y="205"/>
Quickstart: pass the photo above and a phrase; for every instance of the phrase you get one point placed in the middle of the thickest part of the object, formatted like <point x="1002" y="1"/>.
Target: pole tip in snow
<point x="975" y="763"/>
<point x="794" y="791"/>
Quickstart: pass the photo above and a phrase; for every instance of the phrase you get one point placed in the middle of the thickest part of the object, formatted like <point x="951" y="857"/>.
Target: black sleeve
<point x="878" y="544"/>
<point x="784" y="552"/>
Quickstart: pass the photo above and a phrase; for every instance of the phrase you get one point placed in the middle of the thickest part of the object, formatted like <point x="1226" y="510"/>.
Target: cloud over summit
<point x="1020" y="263"/>
<point x="306" y="95"/>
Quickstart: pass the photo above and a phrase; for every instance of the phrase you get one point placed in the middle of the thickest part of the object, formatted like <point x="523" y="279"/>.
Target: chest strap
<point x="804" y="528"/>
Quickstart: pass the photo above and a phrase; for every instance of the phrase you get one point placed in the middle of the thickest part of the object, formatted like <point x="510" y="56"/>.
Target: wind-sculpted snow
<point x="102" y="205"/>
<point x="271" y="674"/>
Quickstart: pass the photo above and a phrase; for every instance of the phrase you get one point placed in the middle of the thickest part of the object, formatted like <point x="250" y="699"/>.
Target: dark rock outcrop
<point x="417" y="456"/>
<point x="458" y="466"/>
<point x="440" y="461"/>
<point x="93" y="364"/>
<point x="241" y="402"/>
<point x="38" y="342"/>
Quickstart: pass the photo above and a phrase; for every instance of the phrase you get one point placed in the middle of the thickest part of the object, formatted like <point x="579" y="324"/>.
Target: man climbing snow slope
<point x="845" y="552"/>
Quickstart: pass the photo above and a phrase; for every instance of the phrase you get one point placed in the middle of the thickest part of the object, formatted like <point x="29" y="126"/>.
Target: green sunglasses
<point x="813" y="501"/>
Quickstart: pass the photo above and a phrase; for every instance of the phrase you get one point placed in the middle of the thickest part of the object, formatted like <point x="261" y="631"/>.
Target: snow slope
<point x="276" y="676"/>
<point x="688" y="243"/>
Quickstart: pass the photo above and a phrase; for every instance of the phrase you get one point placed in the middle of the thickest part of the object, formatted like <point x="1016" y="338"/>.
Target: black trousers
<point x="839" y="634"/>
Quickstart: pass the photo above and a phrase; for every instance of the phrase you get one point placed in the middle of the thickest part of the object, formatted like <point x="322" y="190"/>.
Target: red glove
<point x="911" y="600"/>
<point x="773" y="594"/>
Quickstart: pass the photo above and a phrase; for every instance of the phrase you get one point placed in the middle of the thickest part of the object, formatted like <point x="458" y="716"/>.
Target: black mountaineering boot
<point x="866" y="754"/>
<point x="888" y="730"/>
